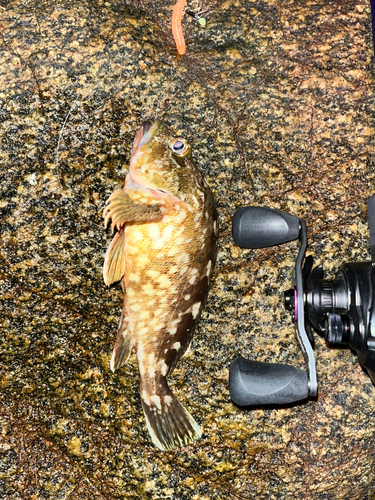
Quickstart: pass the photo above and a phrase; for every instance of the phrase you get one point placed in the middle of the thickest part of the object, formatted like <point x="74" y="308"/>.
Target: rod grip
<point x="253" y="383"/>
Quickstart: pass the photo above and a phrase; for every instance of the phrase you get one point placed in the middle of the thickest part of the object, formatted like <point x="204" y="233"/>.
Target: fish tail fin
<point x="170" y="425"/>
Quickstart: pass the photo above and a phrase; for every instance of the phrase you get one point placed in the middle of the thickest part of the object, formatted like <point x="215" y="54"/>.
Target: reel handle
<point x="253" y="383"/>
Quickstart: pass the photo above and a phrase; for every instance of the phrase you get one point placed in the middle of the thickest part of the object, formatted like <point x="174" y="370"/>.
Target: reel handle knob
<point x="259" y="227"/>
<point x="253" y="383"/>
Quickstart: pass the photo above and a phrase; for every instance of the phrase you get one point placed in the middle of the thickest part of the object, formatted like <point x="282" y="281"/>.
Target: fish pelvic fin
<point x="170" y="425"/>
<point x="121" y="209"/>
<point x="123" y="345"/>
<point x="114" y="261"/>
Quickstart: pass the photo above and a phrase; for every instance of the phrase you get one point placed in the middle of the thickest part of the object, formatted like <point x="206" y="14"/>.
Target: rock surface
<point x="276" y="100"/>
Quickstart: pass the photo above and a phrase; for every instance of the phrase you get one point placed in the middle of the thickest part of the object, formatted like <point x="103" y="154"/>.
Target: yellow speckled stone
<point x="276" y="100"/>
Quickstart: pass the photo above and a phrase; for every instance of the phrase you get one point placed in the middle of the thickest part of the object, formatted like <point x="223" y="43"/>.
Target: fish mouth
<point x="147" y="131"/>
<point x="144" y="134"/>
<point x="146" y="127"/>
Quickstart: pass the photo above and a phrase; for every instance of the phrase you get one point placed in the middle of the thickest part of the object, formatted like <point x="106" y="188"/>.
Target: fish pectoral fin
<point x="121" y="209"/>
<point x="114" y="261"/>
<point x="123" y="345"/>
<point x="170" y="425"/>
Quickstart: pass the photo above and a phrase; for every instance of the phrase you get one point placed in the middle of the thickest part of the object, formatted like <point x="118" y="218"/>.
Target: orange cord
<point x="177" y="28"/>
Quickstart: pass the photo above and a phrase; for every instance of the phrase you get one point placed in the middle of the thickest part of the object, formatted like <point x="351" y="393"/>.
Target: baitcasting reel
<point x="343" y="309"/>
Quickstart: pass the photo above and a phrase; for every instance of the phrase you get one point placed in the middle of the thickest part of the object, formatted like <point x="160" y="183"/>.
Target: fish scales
<point x="165" y="261"/>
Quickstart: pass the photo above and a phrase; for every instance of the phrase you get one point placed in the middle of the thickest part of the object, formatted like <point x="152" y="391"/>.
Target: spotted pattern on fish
<point x="164" y="252"/>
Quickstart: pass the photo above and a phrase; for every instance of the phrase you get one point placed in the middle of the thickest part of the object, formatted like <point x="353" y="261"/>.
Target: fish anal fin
<point x="123" y="345"/>
<point x="114" y="261"/>
<point x="170" y="425"/>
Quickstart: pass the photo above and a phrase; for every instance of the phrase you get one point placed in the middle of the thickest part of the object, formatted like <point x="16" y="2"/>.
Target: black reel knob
<point x="253" y="383"/>
<point x="260" y="227"/>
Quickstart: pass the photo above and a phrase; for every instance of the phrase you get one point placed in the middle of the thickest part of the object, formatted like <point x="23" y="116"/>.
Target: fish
<point x="163" y="253"/>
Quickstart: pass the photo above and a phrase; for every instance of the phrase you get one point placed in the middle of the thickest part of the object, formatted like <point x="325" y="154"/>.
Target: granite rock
<point x="276" y="99"/>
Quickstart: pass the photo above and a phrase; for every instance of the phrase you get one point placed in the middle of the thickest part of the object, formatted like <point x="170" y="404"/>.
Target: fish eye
<point x="179" y="146"/>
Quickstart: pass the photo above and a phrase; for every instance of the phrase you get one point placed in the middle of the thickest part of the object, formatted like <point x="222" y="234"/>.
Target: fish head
<point x="162" y="164"/>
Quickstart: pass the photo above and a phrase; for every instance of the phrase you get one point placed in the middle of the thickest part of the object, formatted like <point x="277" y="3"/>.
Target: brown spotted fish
<point x="164" y="252"/>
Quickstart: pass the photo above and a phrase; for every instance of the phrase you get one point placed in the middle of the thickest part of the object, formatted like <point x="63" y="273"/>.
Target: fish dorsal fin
<point x="114" y="262"/>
